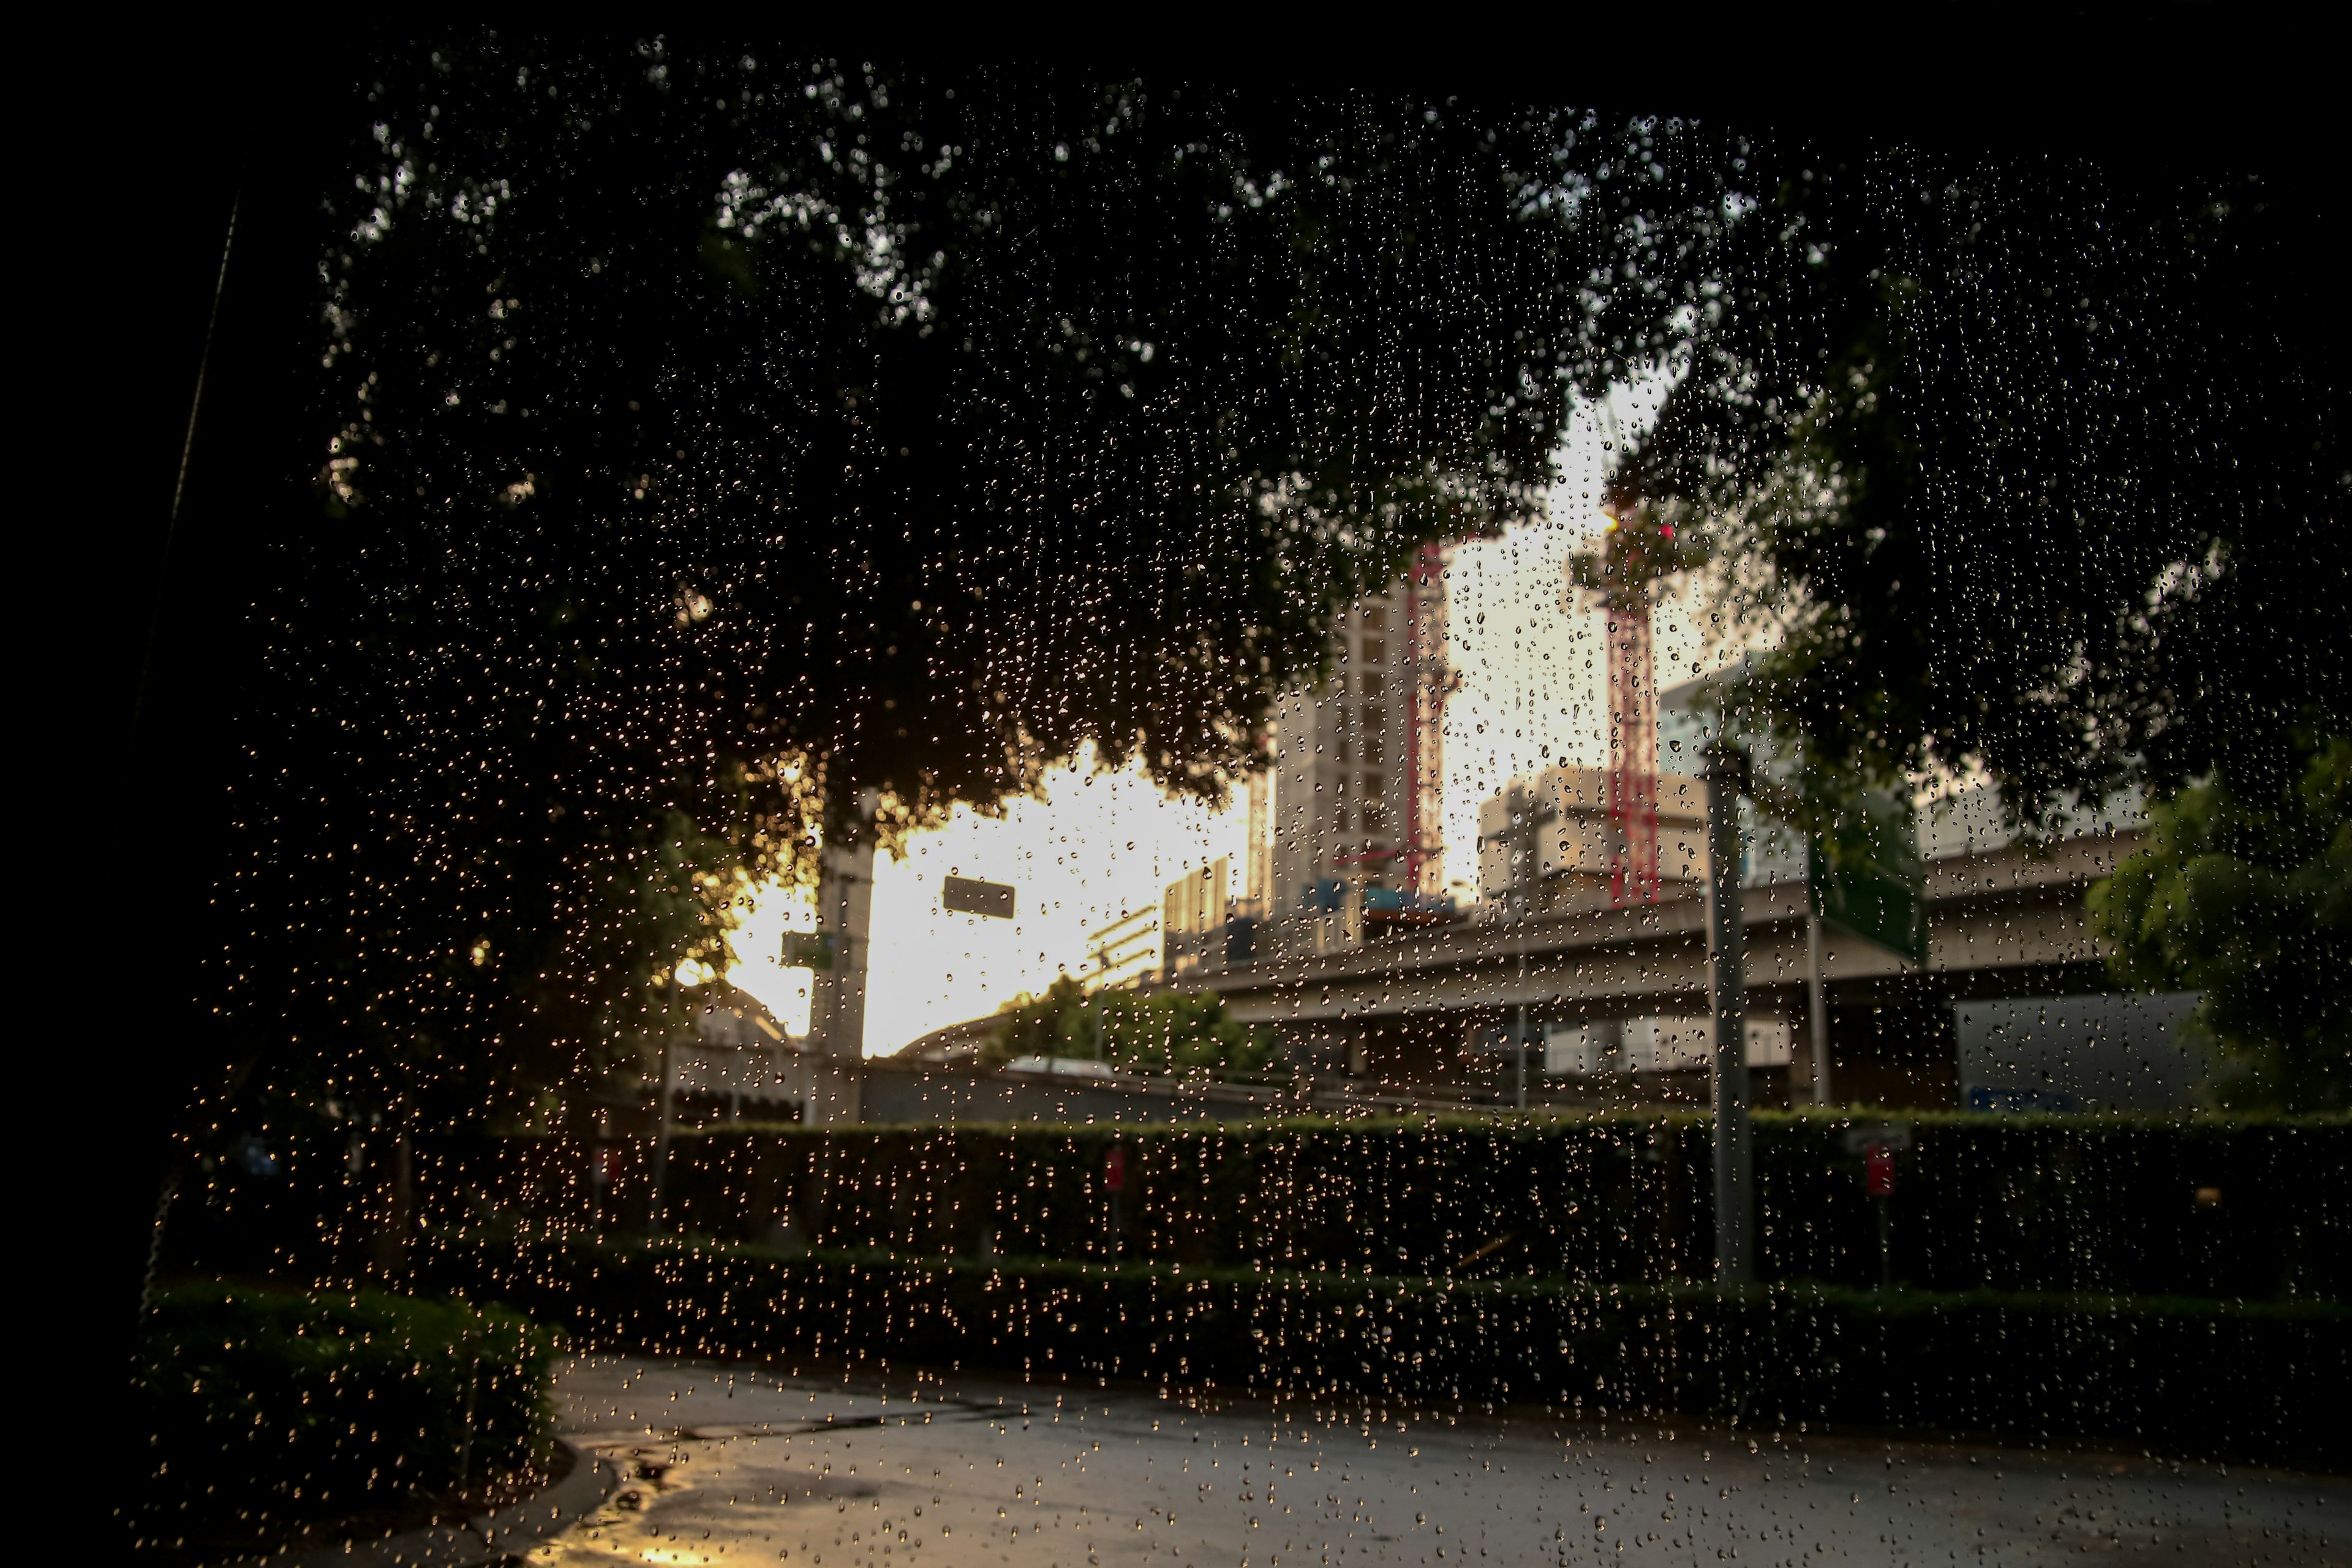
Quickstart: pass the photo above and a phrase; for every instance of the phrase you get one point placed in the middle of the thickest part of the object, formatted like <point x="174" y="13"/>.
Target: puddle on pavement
<point x="782" y="1475"/>
<point x="730" y="1467"/>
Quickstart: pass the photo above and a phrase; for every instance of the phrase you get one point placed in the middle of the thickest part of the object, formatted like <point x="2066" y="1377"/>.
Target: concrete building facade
<point x="1346" y="828"/>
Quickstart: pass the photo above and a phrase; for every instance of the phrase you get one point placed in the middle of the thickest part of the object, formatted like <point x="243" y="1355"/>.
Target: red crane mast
<point x="1633" y="756"/>
<point x="1635" y="552"/>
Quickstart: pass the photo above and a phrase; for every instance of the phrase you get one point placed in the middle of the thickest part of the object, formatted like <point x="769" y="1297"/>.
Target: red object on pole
<point x="1633" y="751"/>
<point x="1878" y="1171"/>
<point x="1115" y="1169"/>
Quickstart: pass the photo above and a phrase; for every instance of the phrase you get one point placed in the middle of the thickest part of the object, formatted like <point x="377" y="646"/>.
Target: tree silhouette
<point x="701" y="440"/>
<point x="2033" y="459"/>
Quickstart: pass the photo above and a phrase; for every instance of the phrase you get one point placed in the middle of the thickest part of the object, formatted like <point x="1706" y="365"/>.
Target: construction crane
<point x="1636" y="549"/>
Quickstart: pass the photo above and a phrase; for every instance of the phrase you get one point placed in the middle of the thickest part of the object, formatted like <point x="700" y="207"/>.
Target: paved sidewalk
<point x="726" y="1466"/>
<point x="499" y="1536"/>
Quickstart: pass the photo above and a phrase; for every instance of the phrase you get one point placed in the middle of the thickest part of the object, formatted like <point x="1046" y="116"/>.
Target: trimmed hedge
<point x="2212" y="1379"/>
<point x="2103" y="1204"/>
<point x="292" y="1405"/>
<point x="2171" y="1282"/>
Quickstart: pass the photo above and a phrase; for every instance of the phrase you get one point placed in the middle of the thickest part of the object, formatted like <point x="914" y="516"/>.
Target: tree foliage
<point x="2031" y="461"/>
<point x="704" y="439"/>
<point x="2248" y="898"/>
<point x="1163" y="1032"/>
<point x="2035" y="464"/>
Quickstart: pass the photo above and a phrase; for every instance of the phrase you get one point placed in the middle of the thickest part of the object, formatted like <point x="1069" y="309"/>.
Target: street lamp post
<point x="1816" y="1004"/>
<point x="1524" y="806"/>
<point x="1735" y="1198"/>
<point x="1519" y="1027"/>
<point x="657" y="1200"/>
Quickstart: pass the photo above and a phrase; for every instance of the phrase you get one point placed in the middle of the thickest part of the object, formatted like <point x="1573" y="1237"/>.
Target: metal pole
<point x="661" y="1148"/>
<point x="180" y="488"/>
<point x="1817" y="1007"/>
<point x="473" y="1395"/>
<point x="403" y="1194"/>
<point x="1885" y="1242"/>
<point x="1727" y="777"/>
<point x="1526" y="824"/>
<point x="1519" y="1046"/>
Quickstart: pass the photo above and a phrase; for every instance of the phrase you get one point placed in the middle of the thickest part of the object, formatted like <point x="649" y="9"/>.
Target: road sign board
<point x="808" y="950"/>
<point x="969" y="895"/>
<point x="1862" y="1140"/>
<point x="1870" y="882"/>
<point x="1115" y="1169"/>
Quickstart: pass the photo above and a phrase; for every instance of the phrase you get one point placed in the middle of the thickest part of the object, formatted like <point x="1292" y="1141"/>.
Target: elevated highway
<point x="1385" y="1026"/>
<point x="2005" y="923"/>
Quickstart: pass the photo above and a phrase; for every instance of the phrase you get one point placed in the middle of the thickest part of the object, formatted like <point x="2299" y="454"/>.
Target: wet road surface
<point x="728" y="1466"/>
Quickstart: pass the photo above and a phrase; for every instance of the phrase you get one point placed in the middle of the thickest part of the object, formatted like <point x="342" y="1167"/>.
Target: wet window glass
<point x="1006" y="817"/>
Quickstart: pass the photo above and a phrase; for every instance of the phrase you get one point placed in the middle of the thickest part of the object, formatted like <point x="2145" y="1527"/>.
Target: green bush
<point x="2249" y="900"/>
<point x="275" y="1403"/>
<point x="2237" y="1207"/>
<point x="1166" y="1032"/>
<point x="2184" y="1376"/>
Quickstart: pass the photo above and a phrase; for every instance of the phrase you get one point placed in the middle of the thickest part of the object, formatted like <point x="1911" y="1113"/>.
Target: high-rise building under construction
<point x="1347" y="830"/>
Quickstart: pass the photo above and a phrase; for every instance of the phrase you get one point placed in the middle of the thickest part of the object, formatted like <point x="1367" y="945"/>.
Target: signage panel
<point x="808" y="950"/>
<point x="1869" y="881"/>
<point x="970" y="896"/>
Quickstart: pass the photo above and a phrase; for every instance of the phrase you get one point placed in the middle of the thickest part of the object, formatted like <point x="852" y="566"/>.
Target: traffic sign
<point x="808" y="950"/>
<point x="970" y="896"/>
<point x="1869" y="881"/>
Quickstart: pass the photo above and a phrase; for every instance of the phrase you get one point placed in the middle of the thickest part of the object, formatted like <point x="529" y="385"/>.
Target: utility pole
<point x="661" y="1148"/>
<point x="1525" y="806"/>
<point x="1784" y="803"/>
<point x="1519" y="1024"/>
<point x="1816" y="1002"/>
<point x="1519" y="1044"/>
<point x="1734" y="1197"/>
<point x="837" y="992"/>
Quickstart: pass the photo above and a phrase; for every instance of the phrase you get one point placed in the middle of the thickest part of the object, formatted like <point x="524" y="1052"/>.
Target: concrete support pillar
<point x="1734" y="1195"/>
<point x="845" y="898"/>
<point x="1817" y="1011"/>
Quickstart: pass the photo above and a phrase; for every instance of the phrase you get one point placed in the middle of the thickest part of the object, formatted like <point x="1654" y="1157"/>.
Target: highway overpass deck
<point x="2013" y="909"/>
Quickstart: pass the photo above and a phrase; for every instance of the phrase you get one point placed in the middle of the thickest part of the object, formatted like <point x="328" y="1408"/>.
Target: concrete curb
<point x="484" y="1539"/>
